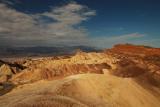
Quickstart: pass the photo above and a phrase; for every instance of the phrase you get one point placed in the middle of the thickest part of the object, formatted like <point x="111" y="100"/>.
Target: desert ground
<point x="123" y="76"/>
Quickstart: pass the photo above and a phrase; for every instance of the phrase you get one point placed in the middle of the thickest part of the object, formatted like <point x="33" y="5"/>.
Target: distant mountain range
<point x="42" y="51"/>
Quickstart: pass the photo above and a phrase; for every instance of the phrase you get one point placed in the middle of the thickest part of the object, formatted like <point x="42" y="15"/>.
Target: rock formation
<point x="124" y="76"/>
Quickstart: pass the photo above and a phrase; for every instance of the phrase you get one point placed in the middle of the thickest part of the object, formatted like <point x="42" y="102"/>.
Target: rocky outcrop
<point x="5" y="70"/>
<point x="4" y="78"/>
<point x="122" y="60"/>
<point x="138" y="50"/>
<point x="119" y="61"/>
<point x="127" y="68"/>
<point x="122" y="76"/>
<point x="8" y="69"/>
<point x="138" y="62"/>
<point x="56" y="70"/>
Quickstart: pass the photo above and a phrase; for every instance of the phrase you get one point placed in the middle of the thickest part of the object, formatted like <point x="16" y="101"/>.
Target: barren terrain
<point x="124" y="76"/>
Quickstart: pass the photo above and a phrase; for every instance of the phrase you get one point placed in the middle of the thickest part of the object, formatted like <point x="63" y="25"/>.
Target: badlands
<point x="123" y="76"/>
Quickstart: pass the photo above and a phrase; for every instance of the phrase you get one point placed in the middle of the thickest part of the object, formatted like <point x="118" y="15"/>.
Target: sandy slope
<point x="85" y="90"/>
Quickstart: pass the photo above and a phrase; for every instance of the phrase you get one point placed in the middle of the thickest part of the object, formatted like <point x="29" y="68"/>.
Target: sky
<point x="96" y="23"/>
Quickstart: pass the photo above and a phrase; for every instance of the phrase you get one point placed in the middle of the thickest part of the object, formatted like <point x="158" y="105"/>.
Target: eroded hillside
<point x="124" y="76"/>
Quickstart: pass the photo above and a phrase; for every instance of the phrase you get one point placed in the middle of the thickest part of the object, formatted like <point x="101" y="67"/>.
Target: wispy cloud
<point x="17" y="28"/>
<point x="10" y="2"/>
<point x="61" y="28"/>
<point x="106" y="42"/>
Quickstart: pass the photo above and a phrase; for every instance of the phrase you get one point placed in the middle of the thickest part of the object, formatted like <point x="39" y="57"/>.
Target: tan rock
<point x="3" y="78"/>
<point x="5" y="70"/>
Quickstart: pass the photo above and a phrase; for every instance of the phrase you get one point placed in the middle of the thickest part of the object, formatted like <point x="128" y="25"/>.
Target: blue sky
<point x="99" y="23"/>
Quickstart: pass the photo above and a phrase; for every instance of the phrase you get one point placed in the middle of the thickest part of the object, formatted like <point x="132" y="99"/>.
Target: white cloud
<point x="20" y="29"/>
<point x="70" y="14"/>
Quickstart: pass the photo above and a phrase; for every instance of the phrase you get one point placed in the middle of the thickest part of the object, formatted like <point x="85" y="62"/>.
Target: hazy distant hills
<point x="42" y="51"/>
